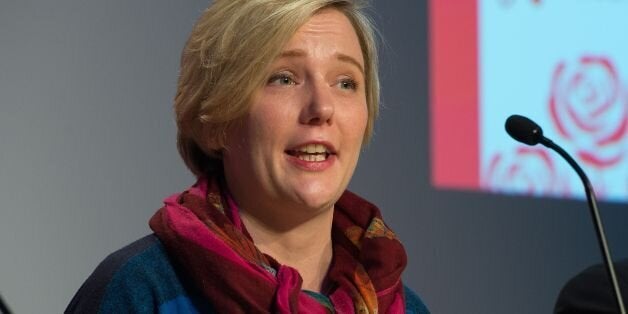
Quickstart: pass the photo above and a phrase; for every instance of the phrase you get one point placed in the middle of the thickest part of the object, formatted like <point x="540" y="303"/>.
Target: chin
<point x="317" y="206"/>
<point x="319" y="200"/>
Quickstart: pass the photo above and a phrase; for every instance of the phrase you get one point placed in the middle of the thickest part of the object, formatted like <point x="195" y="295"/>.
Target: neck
<point x="306" y="246"/>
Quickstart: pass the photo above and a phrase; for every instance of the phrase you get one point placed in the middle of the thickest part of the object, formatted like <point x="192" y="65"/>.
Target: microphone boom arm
<point x="595" y="215"/>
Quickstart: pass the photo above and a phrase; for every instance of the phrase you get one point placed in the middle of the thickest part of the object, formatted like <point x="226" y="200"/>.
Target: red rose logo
<point x="530" y="170"/>
<point x="590" y="109"/>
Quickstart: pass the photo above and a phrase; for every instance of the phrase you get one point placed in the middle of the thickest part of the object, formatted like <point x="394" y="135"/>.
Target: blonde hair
<point x="225" y="59"/>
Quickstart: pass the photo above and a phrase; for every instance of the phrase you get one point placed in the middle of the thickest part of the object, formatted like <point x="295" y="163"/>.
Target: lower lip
<point x="312" y="165"/>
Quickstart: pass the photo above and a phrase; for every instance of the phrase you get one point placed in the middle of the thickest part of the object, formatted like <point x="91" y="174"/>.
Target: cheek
<point x="263" y="134"/>
<point x="357" y="122"/>
<point x="266" y="127"/>
<point x="271" y="116"/>
<point x="243" y="140"/>
<point x="236" y="145"/>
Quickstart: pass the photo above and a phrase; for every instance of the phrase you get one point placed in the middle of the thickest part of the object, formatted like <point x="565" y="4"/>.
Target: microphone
<point x="524" y="130"/>
<point x="528" y="132"/>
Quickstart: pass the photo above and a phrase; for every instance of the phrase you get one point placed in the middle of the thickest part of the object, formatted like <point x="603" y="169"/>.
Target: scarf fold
<point x="202" y="232"/>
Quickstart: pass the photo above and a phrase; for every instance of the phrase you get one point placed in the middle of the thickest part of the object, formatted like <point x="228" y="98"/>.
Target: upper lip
<point x="330" y="149"/>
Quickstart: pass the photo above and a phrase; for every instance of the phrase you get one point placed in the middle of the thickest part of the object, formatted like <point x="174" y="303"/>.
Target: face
<point x="299" y="144"/>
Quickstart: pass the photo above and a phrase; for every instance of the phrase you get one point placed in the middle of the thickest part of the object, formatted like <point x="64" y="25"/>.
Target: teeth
<point x="316" y="157"/>
<point x="313" y="149"/>
<point x="312" y="152"/>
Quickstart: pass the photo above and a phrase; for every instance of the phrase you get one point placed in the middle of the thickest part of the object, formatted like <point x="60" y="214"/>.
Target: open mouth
<point x="311" y="152"/>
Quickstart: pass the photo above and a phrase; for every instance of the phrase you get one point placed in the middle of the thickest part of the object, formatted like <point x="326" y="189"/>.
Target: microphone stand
<point x="597" y="221"/>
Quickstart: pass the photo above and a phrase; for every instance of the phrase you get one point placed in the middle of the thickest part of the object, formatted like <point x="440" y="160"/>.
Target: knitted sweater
<point x="141" y="278"/>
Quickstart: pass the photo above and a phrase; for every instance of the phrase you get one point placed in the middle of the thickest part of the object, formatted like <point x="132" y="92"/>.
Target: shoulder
<point x="414" y="304"/>
<point x="138" y="278"/>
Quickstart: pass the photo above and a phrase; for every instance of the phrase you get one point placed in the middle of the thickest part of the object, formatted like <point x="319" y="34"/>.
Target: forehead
<point x="327" y="31"/>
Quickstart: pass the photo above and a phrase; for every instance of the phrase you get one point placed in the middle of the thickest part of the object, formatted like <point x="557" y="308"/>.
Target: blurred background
<point x="87" y="142"/>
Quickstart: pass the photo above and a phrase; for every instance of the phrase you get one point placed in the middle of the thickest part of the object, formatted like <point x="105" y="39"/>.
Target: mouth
<point x="312" y="152"/>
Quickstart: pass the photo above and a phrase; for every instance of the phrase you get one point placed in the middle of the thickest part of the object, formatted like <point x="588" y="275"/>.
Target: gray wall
<point x="87" y="153"/>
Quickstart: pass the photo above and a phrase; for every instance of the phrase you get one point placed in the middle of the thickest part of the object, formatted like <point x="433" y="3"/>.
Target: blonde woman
<point x="275" y="100"/>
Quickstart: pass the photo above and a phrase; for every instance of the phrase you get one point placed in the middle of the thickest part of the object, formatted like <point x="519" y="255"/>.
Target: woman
<point x="274" y="101"/>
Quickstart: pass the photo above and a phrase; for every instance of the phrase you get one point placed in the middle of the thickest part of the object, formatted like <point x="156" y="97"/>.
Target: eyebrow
<point x="340" y="56"/>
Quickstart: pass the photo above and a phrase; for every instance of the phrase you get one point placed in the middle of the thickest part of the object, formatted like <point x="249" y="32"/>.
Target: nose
<point x="319" y="104"/>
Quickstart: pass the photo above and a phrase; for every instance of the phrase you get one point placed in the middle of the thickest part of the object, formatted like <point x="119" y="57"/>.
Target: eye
<point x="348" y="83"/>
<point x="282" y="79"/>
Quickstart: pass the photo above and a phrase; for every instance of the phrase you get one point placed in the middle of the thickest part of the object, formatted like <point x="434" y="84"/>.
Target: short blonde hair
<point x="224" y="62"/>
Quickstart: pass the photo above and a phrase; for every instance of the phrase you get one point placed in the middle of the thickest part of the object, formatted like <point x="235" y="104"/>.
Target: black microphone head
<point x="524" y="130"/>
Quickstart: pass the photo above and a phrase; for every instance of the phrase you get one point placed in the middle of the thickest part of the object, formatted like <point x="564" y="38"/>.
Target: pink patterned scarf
<point x="201" y="229"/>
